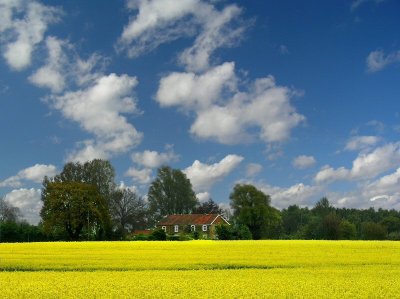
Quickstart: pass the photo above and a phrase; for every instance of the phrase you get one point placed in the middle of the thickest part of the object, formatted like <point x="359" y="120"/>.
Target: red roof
<point x="189" y="219"/>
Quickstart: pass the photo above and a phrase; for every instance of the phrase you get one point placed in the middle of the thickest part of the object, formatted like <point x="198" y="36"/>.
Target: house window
<point x="193" y="227"/>
<point x="204" y="228"/>
<point x="164" y="228"/>
<point x="176" y="228"/>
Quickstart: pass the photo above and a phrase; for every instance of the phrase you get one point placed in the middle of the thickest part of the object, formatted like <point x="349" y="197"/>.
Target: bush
<point x="158" y="235"/>
<point x="234" y="232"/>
<point x="394" y="236"/>
<point x="141" y="237"/>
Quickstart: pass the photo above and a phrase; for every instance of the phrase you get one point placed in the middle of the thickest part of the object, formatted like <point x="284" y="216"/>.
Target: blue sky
<point x="299" y="98"/>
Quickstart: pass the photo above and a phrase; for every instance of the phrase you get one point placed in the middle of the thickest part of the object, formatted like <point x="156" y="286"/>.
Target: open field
<point x="201" y="269"/>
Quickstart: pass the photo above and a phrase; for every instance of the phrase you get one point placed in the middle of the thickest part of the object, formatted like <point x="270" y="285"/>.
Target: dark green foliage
<point x="99" y="173"/>
<point x="208" y="207"/>
<point x="392" y="224"/>
<point x="70" y="207"/>
<point x="11" y="231"/>
<point x="233" y="232"/>
<point x="373" y="231"/>
<point x="294" y="218"/>
<point x="158" y="235"/>
<point x="347" y="230"/>
<point x="171" y="193"/>
<point x="252" y="208"/>
<point x="330" y="227"/>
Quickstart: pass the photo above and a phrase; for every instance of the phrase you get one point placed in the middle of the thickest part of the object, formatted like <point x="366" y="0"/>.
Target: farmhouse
<point x="202" y="223"/>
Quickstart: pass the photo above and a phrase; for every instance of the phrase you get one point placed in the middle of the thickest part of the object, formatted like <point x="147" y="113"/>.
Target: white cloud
<point x="252" y="169"/>
<point x="303" y="161"/>
<point x="143" y="176"/>
<point x="154" y="159"/>
<point x="98" y="109"/>
<point x="203" y="196"/>
<point x="329" y="174"/>
<point x="203" y="176"/>
<point x="162" y="21"/>
<point x="384" y="187"/>
<point x="226" y="115"/>
<point x="28" y="201"/>
<point x="281" y="197"/>
<point x="365" y="166"/>
<point x="157" y="22"/>
<point x="217" y="33"/>
<point x="34" y="174"/>
<point x="23" y="24"/>
<point x="356" y="143"/>
<point x="52" y="75"/>
<point x="193" y="91"/>
<point x="377" y="60"/>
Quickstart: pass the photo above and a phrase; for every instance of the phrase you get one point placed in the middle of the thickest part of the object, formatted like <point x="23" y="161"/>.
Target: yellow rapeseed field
<point x="201" y="269"/>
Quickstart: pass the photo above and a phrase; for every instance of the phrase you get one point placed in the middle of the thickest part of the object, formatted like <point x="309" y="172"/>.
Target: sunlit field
<point x="201" y="269"/>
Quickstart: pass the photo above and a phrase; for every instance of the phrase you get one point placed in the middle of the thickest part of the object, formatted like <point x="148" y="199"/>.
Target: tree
<point x="171" y="193"/>
<point x="322" y="208"/>
<point x="252" y="208"/>
<point x="128" y="210"/>
<point x="8" y="213"/>
<point x="330" y="227"/>
<point x="293" y="219"/>
<point x="208" y="207"/>
<point x="99" y="173"/>
<point x="373" y="231"/>
<point x="70" y="207"/>
<point x="347" y="230"/>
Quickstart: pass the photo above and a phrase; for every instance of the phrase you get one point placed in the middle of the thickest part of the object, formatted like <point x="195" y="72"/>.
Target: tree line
<point x="83" y="202"/>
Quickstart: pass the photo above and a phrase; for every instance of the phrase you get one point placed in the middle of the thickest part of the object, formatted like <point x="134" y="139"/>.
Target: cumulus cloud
<point x="142" y="176"/>
<point x="98" y="109"/>
<point x="252" y="169"/>
<point x="192" y="91"/>
<point x="366" y="166"/>
<point x="154" y="159"/>
<point x="303" y="161"/>
<point x="29" y="203"/>
<point x="204" y="176"/>
<point x="34" y="174"/>
<point x="162" y="21"/>
<point x="386" y="187"/>
<point x="52" y="74"/>
<point x="356" y="143"/>
<point x="203" y="196"/>
<point x="23" y="25"/>
<point x="377" y="60"/>
<point x="227" y="115"/>
<point x="282" y="197"/>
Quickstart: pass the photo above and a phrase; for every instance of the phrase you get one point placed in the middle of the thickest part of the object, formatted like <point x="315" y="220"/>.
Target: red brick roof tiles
<point x="188" y="219"/>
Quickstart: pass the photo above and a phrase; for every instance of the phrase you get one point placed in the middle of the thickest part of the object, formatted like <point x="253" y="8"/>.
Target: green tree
<point x="128" y="210"/>
<point x="373" y="231"/>
<point x="8" y="212"/>
<point x="70" y="207"/>
<point x="171" y="193"/>
<point x="293" y="219"/>
<point x="347" y="230"/>
<point x="208" y="207"/>
<point x="252" y="208"/>
<point x="330" y="226"/>
<point x="99" y="173"/>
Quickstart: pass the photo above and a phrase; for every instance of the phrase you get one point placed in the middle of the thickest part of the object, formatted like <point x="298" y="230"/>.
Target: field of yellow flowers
<point x="201" y="269"/>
